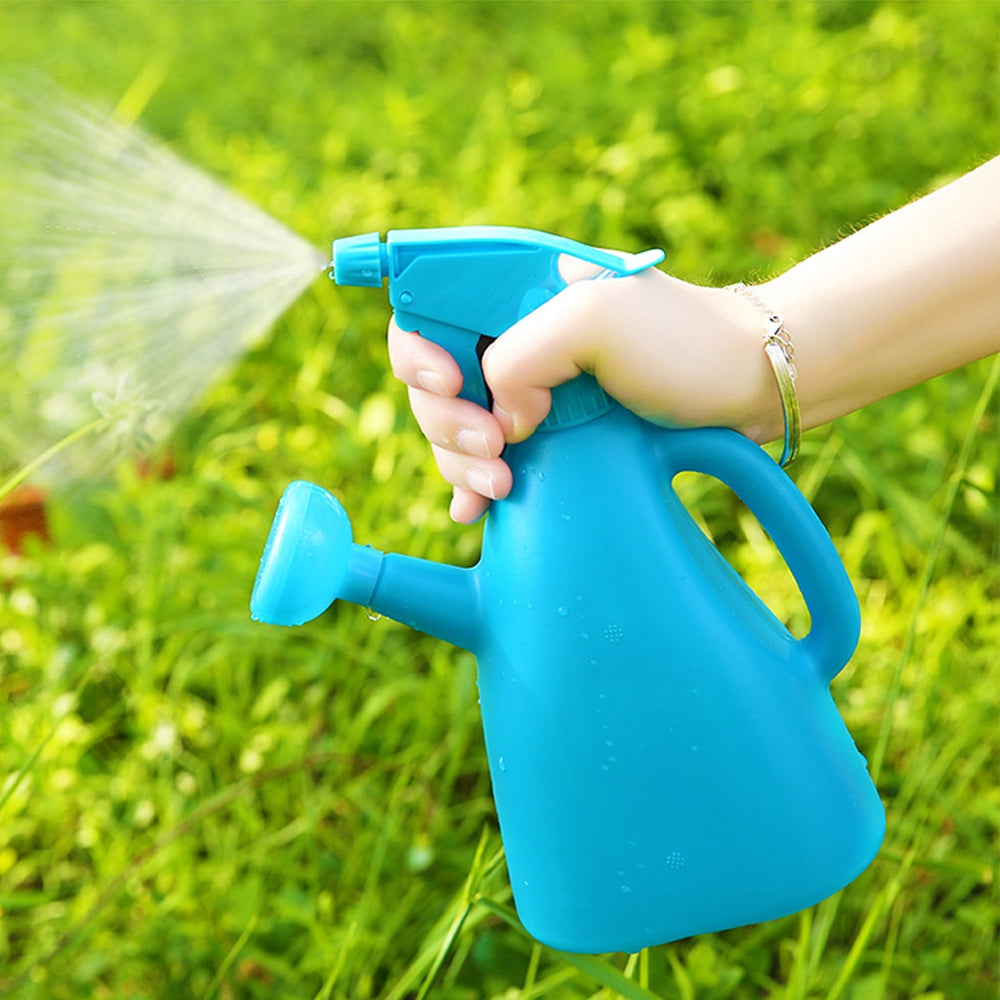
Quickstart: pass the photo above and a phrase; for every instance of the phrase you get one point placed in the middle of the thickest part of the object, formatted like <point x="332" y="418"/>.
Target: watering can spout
<point x="311" y="560"/>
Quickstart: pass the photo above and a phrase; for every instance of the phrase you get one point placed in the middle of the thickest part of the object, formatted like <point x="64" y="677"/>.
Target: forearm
<point x="913" y="295"/>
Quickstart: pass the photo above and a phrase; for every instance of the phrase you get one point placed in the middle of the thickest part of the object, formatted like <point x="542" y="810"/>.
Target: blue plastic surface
<point x="666" y="757"/>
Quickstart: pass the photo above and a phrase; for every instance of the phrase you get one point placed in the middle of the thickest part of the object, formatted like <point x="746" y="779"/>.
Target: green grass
<point x="195" y="806"/>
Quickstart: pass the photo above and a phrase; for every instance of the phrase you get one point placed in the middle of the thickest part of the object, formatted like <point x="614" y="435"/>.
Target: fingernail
<point x="473" y="442"/>
<point x="481" y="482"/>
<point x="431" y="381"/>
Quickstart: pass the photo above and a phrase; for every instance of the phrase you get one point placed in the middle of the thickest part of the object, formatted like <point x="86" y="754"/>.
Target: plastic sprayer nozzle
<point x="360" y="260"/>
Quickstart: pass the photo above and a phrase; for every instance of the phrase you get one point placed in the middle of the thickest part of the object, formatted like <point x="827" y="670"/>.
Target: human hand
<point x="670" y="351"/>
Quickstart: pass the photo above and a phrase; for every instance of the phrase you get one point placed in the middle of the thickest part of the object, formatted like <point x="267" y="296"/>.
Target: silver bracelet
<point x="781" y="353"/>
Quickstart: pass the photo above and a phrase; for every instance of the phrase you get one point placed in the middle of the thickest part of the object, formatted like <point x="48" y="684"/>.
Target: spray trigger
<point x="458" y="285"/>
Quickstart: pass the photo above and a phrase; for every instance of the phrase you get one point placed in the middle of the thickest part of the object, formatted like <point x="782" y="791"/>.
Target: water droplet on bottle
<point x="373" y="616"/>
<point x="502" y="764"/>
<point x="626" y="888"/>
<point x="561" y="612"/>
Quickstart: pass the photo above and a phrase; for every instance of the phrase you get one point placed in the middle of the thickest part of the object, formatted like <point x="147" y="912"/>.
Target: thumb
<point x="551" y="345"/>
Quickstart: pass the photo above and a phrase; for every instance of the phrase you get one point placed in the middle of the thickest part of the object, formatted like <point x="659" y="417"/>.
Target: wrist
<point x="780" y="351"/>
<point x="753" y="405"/>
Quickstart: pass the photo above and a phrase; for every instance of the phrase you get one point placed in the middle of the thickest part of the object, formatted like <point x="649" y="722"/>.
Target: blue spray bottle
<point x="666" y="757"/>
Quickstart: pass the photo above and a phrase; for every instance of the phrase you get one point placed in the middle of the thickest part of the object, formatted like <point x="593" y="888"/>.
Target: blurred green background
<point x="192" y="805"/>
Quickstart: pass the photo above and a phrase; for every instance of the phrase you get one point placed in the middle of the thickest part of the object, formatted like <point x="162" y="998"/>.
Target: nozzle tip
<point x="359" y="260"/>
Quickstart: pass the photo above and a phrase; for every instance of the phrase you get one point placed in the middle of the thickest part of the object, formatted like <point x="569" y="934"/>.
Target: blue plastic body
<point x="666" y="757"/>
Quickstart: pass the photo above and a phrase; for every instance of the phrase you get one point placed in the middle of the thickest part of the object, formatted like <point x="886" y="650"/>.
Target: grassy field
<point x="195" y="806"/>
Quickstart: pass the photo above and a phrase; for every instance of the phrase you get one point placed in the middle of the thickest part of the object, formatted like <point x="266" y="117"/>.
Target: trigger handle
<point x="458" y="285"/>
<point x="465" y="346"/>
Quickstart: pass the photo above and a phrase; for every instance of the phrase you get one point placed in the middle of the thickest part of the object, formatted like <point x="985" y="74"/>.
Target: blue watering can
<point x="666" y="758"/>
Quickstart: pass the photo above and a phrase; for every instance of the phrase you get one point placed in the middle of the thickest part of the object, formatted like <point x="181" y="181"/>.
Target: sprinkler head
<point x="307" y="558"/>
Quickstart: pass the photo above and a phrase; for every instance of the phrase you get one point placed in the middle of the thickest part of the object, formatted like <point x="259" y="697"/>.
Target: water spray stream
<point x="129" y="280"/>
